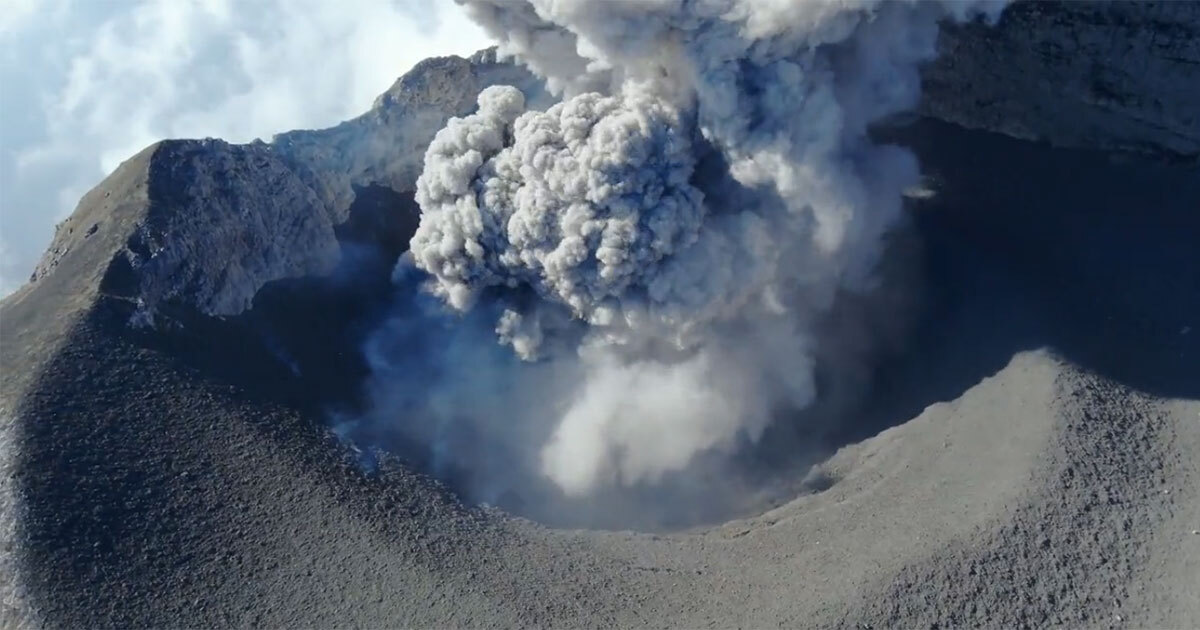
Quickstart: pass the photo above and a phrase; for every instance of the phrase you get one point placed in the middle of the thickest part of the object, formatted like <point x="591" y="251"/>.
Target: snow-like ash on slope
<point x="672" y="232"/>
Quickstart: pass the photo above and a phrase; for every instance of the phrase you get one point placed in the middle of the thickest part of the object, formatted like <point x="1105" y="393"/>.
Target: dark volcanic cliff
<point x="1110" y="75"/>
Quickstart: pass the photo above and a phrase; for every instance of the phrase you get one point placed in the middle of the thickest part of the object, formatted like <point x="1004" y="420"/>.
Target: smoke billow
<point x="640" y="271"/>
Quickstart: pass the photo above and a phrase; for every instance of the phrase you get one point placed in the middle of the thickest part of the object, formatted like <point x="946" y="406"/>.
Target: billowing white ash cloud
<point x="670" y="234"/>
<point x="589" y="203"/>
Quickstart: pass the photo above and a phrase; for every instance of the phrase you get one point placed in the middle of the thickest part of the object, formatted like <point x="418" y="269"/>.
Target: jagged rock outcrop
<point x="386" y="146"/>
<point x="212" y="222"/>
<point x="1106" y="75"/>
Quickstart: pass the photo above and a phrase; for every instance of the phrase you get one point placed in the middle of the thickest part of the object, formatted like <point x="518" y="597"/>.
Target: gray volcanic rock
<point x="386" y="146"/>
<point x="1032" y="461"/>
<point x="1110" y="75"/>
<point x="213" y="222"/>
<point x="216" y="221"/>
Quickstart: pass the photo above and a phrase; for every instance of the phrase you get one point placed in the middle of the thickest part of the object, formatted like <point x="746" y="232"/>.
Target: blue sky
<point x="85" y="84"/>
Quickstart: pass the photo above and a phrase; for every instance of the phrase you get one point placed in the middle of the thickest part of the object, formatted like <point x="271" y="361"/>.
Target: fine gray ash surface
<point x="1030" y="460"/>
<point x="1037" y="467"/>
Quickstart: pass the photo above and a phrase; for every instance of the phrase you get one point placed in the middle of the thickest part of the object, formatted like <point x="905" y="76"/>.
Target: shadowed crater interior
<point x="1019" y="246"/>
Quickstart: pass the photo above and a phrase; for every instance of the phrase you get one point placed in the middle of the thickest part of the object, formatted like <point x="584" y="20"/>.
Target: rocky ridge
<point x="1113" y="76"/>
<point x="219" y="220"/>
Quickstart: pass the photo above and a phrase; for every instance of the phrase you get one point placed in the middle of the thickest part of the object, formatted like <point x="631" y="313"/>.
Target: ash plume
<point x="640" y="271"/>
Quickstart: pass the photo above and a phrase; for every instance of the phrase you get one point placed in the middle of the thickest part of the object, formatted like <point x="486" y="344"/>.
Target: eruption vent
<point x="660" y="245"/>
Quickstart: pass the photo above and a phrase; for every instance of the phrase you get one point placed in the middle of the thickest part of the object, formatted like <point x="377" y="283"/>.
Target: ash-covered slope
<point x="179" y="473"/>
<point x="178" y="243"/>
<point x="1113" y="75"/>
<point x="181" y="477"/>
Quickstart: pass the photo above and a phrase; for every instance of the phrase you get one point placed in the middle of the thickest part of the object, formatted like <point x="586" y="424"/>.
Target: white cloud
<point x="15" y="14"/>
<point x="87" y="84"/>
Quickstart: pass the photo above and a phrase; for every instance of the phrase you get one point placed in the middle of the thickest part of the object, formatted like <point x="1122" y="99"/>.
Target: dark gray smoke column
<point x="670" y="233"/>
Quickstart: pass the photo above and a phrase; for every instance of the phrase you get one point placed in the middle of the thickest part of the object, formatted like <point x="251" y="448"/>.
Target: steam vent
<point x="656" y="314"/>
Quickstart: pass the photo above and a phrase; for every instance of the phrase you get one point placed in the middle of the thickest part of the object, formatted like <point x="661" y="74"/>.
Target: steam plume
<point x="664" y="241"/>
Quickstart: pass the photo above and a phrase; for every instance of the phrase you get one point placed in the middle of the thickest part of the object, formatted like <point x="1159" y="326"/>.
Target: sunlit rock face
<point x="212" y="222"/>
